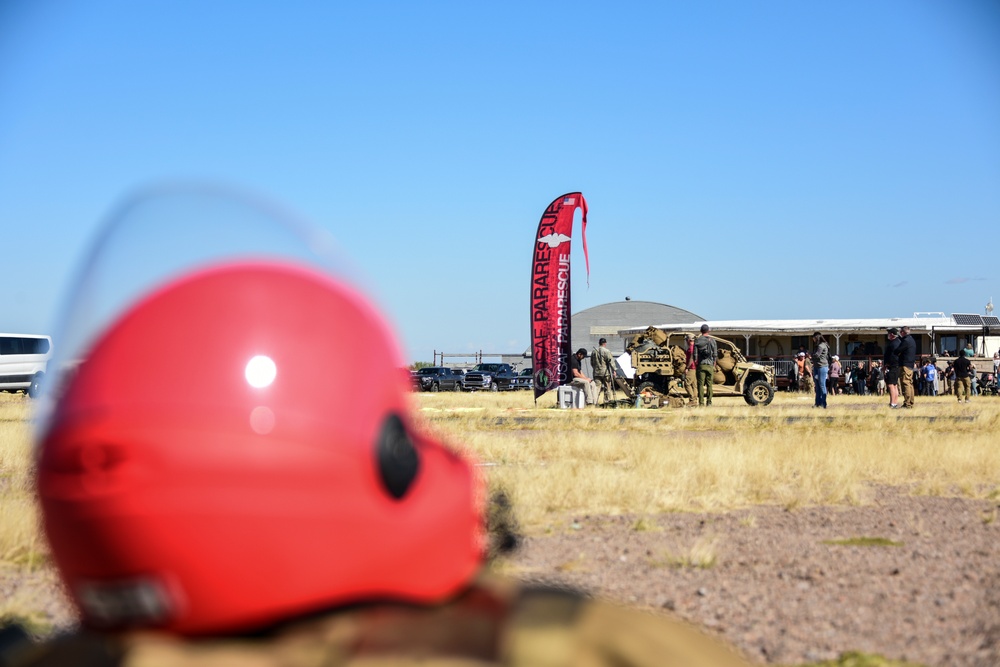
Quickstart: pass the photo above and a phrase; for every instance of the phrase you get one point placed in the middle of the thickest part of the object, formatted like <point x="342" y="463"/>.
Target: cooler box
<point x="569" y="396"/>
<point x="646" y="401"/>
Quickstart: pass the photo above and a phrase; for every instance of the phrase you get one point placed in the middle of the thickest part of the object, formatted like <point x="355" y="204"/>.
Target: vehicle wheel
<point x="36" y="384"/>
<point x="494" y="386"/>
<point x="435" y="387"/>
<point x="643" y="386"/>
<point x="759" y="392"/>
<point x="458" y="386"/>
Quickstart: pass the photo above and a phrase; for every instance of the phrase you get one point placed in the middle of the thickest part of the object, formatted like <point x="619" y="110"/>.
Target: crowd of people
<point x="899" y="373"/>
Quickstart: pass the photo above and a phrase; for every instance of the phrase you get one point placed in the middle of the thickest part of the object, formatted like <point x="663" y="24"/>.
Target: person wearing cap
<point x="707" y="352"/>
<point x="891" y="362"/>
<point x="835" y="372"/>
<point x="963" y="375"/>
<point x="907" y="354"/>
<point x="604" y="369"/>
<point x="579" y="379"/>
<point x="280" y="516"/>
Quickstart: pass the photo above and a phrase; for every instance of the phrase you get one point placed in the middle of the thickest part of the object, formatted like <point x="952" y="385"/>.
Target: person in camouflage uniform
<point x="690" y="377"/>
<point x="707" y="352"/>
<point x="604" y="370"/>
<point x="493" y="623"/>
<point x="279" y="517"/>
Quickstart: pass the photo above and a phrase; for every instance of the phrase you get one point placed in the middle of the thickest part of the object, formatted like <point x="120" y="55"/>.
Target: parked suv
<point x="24" y="359"/>
<point x="494" y="377"/>
<point x="436" y="378"/>
<point x="524" y="379"/>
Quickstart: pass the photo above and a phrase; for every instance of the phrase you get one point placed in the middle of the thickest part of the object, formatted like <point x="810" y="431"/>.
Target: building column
<point x="837" y="336"/>
<point x="747" y="337"/>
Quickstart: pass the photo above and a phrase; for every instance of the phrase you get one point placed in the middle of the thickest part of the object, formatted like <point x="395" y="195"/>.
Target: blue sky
<point x="741" y="159"/>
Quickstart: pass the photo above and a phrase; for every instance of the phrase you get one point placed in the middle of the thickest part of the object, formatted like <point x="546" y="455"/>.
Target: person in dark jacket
<point x="891" y="362"/>
<point x="963" y="375"/>
<point x="907" y="355"/>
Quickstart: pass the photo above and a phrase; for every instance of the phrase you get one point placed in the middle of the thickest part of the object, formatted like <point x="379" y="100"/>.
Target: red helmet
<point x="236" y="449"/>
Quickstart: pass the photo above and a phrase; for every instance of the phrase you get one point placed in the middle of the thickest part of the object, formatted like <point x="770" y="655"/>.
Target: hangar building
<point x="605" y="321"/>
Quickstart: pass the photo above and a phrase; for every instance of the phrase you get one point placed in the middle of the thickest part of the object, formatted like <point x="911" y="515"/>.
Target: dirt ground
<point x="783" y="594"/>
<point x="776" y="589"/>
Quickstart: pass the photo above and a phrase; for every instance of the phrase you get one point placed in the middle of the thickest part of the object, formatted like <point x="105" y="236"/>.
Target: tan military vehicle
<point x="658" y="360"/>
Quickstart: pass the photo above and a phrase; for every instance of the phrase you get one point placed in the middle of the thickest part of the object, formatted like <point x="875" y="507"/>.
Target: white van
<point x="24" y="359"/>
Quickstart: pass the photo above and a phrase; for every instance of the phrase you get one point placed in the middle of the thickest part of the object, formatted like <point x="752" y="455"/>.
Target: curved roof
<point x="638" y="310"/>
<point x="606" y="320"/>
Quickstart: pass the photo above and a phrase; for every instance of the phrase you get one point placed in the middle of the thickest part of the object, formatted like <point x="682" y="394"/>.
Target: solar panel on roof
<point x="968" y="319"/>
<point x="991" y="320"/>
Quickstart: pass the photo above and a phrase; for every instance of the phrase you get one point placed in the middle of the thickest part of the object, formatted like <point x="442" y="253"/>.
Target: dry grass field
<point x="613" y="461"/>
<point x="635" y="469"/>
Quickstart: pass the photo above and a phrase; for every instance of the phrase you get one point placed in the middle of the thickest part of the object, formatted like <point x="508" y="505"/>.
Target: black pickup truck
<point x="492" y="377"/>
<point x="436" y="378"/>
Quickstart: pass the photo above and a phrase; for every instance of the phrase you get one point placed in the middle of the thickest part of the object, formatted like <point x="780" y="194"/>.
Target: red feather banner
<point x="551" y="342"/>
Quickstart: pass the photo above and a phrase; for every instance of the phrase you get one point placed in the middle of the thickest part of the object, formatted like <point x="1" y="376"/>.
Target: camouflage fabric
<point x="494" y="623"/>
<point x="678" y="360"/>
<point x="602" y="362"/>
<point x="690" y="382"/>
<point x="658" y="336"/>
<point x="726" y="360"/>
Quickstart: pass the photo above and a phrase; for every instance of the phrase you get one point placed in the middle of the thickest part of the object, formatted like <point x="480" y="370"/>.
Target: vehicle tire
<point x="759" y="392"/>
<point x="36" y="383"/>
<point x="494" y="386"/>
<point x="643" y="386"/>
<point x="435" y="387"/>
<point x="458" y="386"/>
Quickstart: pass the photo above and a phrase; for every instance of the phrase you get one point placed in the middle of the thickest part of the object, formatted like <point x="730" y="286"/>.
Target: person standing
<point x="877" y="378"/>
<point x="963" y="371"/>
<point x="800" y="366"/>
<point x="949" y="376"/>
<point x="804" y="371"/>
<point x="930" y="377"/>
<point x="578" y="379"/>
<point x="907" y="354"/>
<point x="821" y="368"/>
<point x="855" y="377"/>
<point x="690" y="370"/>
<point x="891" y="363"/>
<point x="996" y="364"/>
<point x="835" y="372"/>
<point x="707" y="352"/>
<point x="604" y="369"/>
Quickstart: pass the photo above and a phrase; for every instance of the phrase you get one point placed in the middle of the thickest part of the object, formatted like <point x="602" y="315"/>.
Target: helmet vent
<point x="397" y="457"/>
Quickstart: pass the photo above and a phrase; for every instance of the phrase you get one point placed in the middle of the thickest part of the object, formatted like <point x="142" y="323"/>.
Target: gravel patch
<point x="783" y="592"/>
<point x="776" y="584"/>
